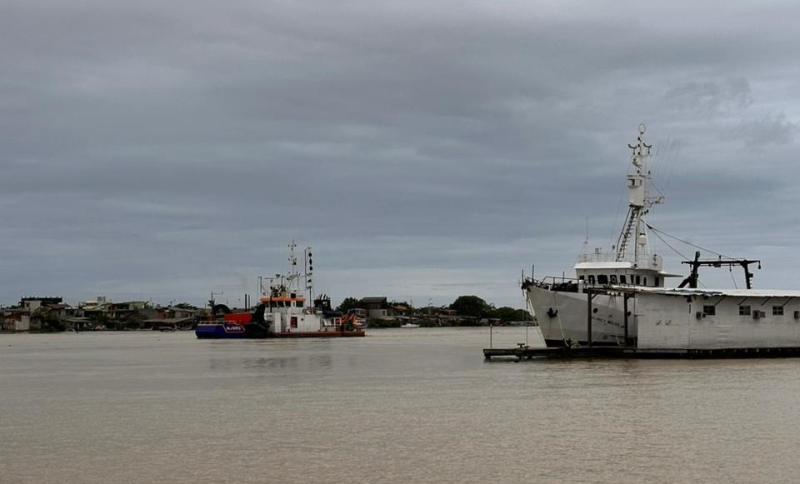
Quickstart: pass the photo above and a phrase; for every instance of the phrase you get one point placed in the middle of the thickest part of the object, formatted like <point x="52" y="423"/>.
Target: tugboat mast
<point x="309" y="271"/>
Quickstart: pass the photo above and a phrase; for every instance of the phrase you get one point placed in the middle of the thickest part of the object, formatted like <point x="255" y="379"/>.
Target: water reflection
<point x="321" y="362"/>
<point x="232" y="364"/>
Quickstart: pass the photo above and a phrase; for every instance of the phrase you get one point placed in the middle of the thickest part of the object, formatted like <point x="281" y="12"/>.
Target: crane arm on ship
<point x="692" y="278"/>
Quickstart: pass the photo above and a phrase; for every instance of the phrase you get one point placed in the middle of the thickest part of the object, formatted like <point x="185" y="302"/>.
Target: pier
<point x="523" y="352"/>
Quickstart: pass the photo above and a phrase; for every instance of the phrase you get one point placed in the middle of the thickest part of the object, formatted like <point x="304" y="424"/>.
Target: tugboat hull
<point x="250" y="331"/>
<point x="220" y="331"/>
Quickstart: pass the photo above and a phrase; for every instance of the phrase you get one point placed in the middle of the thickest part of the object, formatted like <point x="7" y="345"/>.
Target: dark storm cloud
<point x="425" y="150"/>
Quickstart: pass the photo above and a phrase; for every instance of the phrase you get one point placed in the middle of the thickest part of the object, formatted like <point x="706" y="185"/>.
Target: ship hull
<point x="251" y="331"/>
<point x="563" y="317"/>
<point x="220" y="331"/>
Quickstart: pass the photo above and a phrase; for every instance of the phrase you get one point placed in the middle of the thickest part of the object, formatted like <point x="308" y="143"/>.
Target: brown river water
<point x="399" y="406"/>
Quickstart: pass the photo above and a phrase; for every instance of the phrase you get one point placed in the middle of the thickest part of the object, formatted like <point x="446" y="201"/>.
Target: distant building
<point x="34" y="314"/>
<point x="400" y="309"/>
<point x="377" y="307"/>
<point x="447" y="317"/>
<point x="178" y="313"/>
<point x="173" y="317"/>
<point x="34" y="303"/>
<point x="125" y="309"/>
<point x="16" y="320"/>
<point x="93" y="305"/>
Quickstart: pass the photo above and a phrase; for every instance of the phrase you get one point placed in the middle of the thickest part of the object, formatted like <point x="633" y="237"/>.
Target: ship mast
<point x="639" y="203"/>
<point x="292" y="278"/>
<point x="309" y="271"/>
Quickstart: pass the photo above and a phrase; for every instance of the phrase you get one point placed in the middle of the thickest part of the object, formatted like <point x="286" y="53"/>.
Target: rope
<point x="666" y="243"/>
<point x="656" y="231"/>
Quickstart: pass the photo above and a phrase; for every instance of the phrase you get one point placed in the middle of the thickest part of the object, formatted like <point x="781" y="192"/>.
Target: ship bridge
<point x="602" y="269"/>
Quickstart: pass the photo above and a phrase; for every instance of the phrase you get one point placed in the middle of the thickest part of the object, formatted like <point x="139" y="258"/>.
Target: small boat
<point x="410" y="325"/>
<point x="284" y="311"/>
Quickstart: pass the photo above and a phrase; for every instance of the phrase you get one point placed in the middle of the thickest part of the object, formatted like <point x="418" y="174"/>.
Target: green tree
<point x="506" y="314"/>
<point x="470" y="306"/>
<point x="347" y="304"/>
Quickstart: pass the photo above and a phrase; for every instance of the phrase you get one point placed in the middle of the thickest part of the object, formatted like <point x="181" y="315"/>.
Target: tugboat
<point x="283" y="311"/>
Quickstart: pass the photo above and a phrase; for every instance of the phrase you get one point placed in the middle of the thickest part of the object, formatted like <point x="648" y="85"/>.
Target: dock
<point x="524" y="352"/>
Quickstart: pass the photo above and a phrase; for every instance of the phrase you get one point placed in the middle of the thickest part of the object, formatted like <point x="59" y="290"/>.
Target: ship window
<point x="623" y="280"/>
<point x="299" y="304"/>
<point x="613" y="279"/>
<point x="709" y="310"/>
<point x="638" y="280"/>
<point x="657" y="281"/>
<point x="591" y="279"/>
<point x="744" y="310"/>
<point x="602" y="279"/>
<point x="777" y="310"/>
<point x="645" y="281"/>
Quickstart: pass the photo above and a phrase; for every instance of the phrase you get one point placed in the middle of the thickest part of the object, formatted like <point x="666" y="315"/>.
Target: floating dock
<point x="524" y="352"/>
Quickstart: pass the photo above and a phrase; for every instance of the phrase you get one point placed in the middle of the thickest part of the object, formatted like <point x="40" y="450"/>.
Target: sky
<point x="162" y="151"/>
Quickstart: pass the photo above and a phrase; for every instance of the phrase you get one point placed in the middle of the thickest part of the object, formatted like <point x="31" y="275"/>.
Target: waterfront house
<point x="377" y="307"/>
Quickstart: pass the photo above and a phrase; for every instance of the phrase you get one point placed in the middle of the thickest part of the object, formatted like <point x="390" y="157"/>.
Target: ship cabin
<point x="592" y="270"/>
<point x="292" y="300"/>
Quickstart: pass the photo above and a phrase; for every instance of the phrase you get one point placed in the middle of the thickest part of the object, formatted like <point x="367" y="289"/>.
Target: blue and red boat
<point x="283" y="312"/>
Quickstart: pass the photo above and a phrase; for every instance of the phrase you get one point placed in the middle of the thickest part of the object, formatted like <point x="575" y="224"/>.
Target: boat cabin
<point x="597" y="270"/>
<point x="290" y="301"/>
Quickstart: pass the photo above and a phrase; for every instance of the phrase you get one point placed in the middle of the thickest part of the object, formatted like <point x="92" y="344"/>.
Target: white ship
<point x="619" y="298"/>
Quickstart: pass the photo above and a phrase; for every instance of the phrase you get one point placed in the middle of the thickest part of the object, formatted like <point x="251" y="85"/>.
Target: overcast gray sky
<point x="162" y="150"/>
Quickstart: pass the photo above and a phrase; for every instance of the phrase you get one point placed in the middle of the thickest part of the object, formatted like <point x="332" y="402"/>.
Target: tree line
<point x="469" y="306"/>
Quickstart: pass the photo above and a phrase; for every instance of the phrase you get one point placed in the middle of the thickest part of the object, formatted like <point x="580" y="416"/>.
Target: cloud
<point x="712" y="98"/>
<point x="165" y="151"/>
<point x="767" y="130"/>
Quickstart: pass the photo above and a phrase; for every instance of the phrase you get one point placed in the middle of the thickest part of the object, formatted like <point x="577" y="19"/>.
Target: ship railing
<point x="570" y="284"/>
<point x="560" y="283"/>
<point x="597" y="257"/>
<point x="649" y="261"/>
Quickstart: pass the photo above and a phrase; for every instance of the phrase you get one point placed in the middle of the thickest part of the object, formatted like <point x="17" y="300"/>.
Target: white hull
<point x="740" y="319"/>
<point x="562" y="317"/>
<point x="672" y="319"/>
